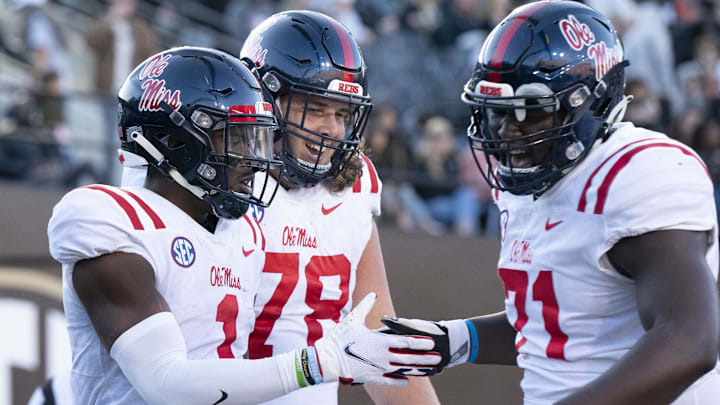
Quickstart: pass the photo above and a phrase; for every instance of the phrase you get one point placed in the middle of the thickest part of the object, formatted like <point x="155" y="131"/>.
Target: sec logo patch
<point x="183" y="252"/>
<point x="257" y="212"/>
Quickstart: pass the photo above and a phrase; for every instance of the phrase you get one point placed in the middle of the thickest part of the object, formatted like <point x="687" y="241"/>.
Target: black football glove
<point x="452" y="339"/>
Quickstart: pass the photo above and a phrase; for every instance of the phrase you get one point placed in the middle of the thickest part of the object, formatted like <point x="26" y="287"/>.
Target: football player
<point x="323" y="250"/>
<point x="158" y="287"/>
<point x="609" y="252"/>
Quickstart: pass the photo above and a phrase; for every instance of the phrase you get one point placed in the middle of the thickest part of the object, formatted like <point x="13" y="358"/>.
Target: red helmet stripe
<point x="507" y="36"/>
<point x="349" y="58"/>
<point x="242" y="109"/>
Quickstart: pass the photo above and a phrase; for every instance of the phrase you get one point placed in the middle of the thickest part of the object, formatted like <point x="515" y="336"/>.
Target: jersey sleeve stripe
<point x="583" y="197"/>
<point x="623" y="161"/>
<point x="374" y="187"/>
<point x="357" y="187"/>
<point x="262" y="235"/>
<point x="159" y="224"/>
<point x="520" y="343"/>
<point x="129" y="210"/>
<point x="251" y="227"/>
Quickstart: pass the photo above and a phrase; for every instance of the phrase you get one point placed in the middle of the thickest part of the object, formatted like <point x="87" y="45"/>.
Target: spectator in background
<point x="391" y="157"/>
<point x="488" y="219"/>
<point x="120" y="40"/>
<point x="701" y="75"/>
<point x="646" y="36"/>
<point x="50" y="66"/>
<point x="694" y="19"/>
<point x="41" y="151"/>
<point x="439" y="199"/>
<point x="45" y="43"/>
<point x="241" y="16"/>
<point x="684" y="127"/>
<point x="344" y="11"/>
<point x="646" y="109"/>
<point x="167" y="23"/>
<point x="457" y="17"/>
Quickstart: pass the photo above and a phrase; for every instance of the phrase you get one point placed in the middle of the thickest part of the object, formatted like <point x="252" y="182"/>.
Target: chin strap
<point x="138" y="137"/>
<point x="618" y="112"/>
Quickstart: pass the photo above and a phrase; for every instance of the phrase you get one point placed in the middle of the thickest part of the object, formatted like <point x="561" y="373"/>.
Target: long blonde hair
<point x="350" y="174"/>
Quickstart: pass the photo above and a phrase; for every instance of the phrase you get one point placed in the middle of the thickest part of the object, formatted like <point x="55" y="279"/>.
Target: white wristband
<point x="459" y="338"/>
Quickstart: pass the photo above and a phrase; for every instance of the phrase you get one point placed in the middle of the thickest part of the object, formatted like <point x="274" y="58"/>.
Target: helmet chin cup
<point x="224" y="207"/>
<point x="618" y="112"/>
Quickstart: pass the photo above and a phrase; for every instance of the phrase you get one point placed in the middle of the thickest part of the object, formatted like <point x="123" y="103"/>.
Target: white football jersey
<point x="209" y="280"/>
<point x="315" y="239"/>
<point x="575" y="315"/>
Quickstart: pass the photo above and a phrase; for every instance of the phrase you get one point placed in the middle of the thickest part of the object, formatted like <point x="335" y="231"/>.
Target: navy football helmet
<point x="556" y="62"/>
<point x="171" y="104"/>
<point x="305" y="54"/>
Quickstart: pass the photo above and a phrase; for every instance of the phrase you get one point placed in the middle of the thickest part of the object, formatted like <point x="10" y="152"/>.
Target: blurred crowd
<point x="62" y="61"/>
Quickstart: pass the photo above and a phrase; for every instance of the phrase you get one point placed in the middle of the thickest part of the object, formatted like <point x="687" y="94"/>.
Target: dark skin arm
<point x="118" y="291"/>
<point x="677" y="300"/>
<point x="496" y="339"/>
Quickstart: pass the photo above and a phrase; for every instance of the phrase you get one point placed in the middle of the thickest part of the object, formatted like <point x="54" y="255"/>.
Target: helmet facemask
<point x="226" y="156"/>
<point x="237" y="167"/>
<point x="531" y="161"/>
<point x="301" y="104"/>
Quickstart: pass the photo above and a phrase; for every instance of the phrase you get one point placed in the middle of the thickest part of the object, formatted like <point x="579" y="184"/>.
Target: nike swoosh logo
<point x="327" y="211"/>
<point x="223" y="397"/>
<point x="247" y="252"/>
<point x="364" y="360"/>
<point x="549" y="225"/>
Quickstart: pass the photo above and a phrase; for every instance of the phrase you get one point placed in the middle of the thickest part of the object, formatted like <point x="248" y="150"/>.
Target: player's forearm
<point x="419" y="391"/>
<point x="496" y="340"/>
<point x="152" y="355"/>
<point x="660" y="367"/>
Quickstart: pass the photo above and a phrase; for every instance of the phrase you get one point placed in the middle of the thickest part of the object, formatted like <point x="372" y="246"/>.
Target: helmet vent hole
<point x="603" y="24"/>
<point x="548" y="69"/>
<point x="172" y="142"/>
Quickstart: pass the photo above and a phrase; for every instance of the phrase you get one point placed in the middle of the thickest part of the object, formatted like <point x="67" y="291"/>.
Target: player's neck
<point x="194" y="207"/>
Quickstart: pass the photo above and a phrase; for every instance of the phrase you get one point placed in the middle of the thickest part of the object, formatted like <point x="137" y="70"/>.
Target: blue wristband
<point x="473" y="341"/>
<point x="313" y="365"/>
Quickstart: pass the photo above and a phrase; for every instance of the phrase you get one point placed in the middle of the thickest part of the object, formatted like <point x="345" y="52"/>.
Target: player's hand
<point x="452" y="339"/>
<point x="352" y="353"/>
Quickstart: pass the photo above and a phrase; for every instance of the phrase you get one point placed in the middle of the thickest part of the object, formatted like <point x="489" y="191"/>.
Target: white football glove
<point x="452" y="338"/>
<point x="352" y="353"/>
